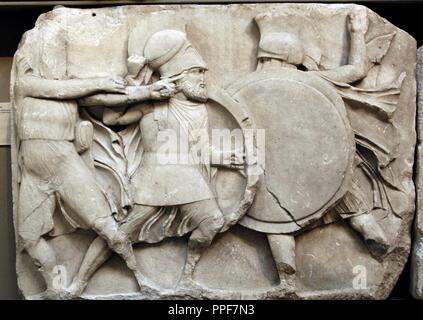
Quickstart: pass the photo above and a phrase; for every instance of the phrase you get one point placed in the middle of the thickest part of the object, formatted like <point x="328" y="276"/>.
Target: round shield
<point x="305" y="145"/>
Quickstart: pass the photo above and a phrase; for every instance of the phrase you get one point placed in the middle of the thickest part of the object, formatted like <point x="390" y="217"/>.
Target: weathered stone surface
<point x="416" y="283"/>
<point x="219" y="151"/>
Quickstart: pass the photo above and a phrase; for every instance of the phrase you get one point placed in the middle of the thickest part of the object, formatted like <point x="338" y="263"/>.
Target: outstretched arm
<point x="114" y="114"/>
<point x="123" y="117"/>
<point x="159" y="90"/>
<point x="357" y="66"/>
<point x="36" y="87"/>
<point x="132" y="95"/>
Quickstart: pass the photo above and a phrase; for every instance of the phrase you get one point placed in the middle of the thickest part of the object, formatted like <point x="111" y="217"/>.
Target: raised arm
<point x="32" y="86"/>
<point x="357" y="66"/>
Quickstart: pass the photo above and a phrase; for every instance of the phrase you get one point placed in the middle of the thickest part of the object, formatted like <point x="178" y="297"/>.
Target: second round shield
<point x="305" y="144"/>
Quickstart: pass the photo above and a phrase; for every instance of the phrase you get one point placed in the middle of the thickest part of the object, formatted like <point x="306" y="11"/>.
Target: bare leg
<point x="117" y="240"/>
<point x="198" y="242"/>
<point x="283" y="251"/>
<point x="45" y="258"/>
<point x="131" y="225"/>
<point x="372" y="233"/>
<point x="86" y="200"/>
<point x="41" y="252"/>
<point x="97" y="253"/>
<point x="194" y="252"/>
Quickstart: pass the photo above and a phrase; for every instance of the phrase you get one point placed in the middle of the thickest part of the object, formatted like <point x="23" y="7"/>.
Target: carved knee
<point x="107" y="228"/>
<point x="207" y="229"/>
<point x="199" y="240"/>
<point x="213" y="223"/>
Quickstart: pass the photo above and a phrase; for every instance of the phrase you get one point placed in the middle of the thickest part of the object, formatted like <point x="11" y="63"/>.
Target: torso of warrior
<point x="47" y="119"/>
<point x="173" y="171"/>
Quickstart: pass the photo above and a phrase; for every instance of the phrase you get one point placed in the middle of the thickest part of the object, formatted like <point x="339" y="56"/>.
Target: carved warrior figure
<point x="162" y="208"/>
<point x="280" y="50"/>
<point x="130" y="160"/>
<point x="53" y="174"/>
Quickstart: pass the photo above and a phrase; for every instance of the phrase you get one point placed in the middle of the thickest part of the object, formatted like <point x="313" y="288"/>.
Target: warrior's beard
<point x="194" y="92"/>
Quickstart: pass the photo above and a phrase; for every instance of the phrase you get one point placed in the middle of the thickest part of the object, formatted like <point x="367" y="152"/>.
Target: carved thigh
<point x="80" y="192"/>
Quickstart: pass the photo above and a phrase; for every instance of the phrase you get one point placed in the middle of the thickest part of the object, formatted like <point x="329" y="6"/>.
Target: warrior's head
<point x="280" y="49"/>
<point x="171" y="54"/>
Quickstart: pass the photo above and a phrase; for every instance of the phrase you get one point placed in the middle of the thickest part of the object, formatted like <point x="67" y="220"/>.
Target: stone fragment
<point x="214" y="151"/>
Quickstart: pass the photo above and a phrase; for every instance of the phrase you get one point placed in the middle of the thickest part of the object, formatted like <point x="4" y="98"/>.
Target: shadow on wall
<point x="8" y="285"/>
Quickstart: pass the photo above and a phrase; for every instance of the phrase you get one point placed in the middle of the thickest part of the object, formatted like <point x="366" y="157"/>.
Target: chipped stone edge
<point x="416" y="281"/>
<point x="377" y="293"/>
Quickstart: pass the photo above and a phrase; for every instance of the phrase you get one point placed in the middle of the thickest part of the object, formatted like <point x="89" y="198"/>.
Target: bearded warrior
<point x="172" y="188"/>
